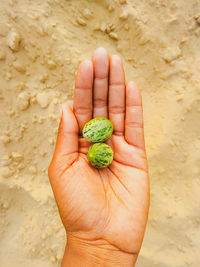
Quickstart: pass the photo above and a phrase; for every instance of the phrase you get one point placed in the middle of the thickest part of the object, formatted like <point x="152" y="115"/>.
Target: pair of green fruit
<point x="97" y="131"/>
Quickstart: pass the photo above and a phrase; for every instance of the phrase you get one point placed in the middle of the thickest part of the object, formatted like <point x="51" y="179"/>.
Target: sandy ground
<point x="41" y="45"/>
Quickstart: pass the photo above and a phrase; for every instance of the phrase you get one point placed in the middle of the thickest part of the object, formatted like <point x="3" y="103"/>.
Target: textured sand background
<point x="41" y="45"/>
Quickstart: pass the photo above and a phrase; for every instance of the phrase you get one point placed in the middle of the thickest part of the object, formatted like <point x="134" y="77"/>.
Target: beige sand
<point x="41" y="45"/>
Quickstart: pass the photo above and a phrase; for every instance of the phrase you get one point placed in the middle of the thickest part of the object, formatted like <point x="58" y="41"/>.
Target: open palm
<point x="107" y="207"/>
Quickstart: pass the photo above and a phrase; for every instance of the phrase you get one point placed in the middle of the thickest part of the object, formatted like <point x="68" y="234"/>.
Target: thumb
<point x="66" y="150"/>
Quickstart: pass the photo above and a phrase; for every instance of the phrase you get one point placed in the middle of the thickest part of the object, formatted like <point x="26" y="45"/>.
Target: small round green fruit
<point x="98" y="130"/>
<point x="100" y="155"/>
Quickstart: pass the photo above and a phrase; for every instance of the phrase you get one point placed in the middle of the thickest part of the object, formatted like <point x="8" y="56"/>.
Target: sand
<point x="41" y="45"/>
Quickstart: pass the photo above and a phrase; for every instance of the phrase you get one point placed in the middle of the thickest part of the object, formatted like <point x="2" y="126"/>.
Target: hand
<point x="104" y="211"/>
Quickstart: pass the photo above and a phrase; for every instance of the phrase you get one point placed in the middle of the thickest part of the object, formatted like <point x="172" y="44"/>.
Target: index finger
<point x="134" y="132"/>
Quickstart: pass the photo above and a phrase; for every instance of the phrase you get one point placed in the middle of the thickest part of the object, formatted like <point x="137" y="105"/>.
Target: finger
<point x="101" y="68"/>
<point x="66" y="150"/>
<point x="134" y="157"/>
<point x="117" y="95"/>
<point x="134" y="133"/>
<point x="83" y="93"/>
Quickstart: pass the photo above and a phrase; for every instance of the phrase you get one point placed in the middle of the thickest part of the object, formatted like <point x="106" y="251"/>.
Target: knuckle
<point x="134" y="124"/>
<point x="117" y="85"/>
<point x="99" y="103"/>
<point x="117" y="109"/>
<point x="83" y="110"/>
<point x="102" y="78"/>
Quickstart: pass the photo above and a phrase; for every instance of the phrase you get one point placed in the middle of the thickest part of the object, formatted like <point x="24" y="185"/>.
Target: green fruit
<point x="100" y="155"/>
<point x="98" y="130"/>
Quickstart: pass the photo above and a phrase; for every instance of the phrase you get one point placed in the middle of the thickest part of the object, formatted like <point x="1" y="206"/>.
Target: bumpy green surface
<point x="100" y="155"/>
<point x="98" y="130"/>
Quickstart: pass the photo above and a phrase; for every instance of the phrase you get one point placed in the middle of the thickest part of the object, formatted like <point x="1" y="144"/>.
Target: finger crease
<point x="134" y="124"/>
<point x="116" y="110"/>
<point x="133" y="105"/>
<point x="101" y="78"/>
<point x="118" y="84"/>
<point x="66" y="133"/>
<point x="99" y="103"/>
<point x="83" y="88"/>
<point x="83" y="110"/>
<point x="118" y="133"/>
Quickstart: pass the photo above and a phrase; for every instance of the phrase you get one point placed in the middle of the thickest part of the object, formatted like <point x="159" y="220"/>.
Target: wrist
<point x="81" y="253"/>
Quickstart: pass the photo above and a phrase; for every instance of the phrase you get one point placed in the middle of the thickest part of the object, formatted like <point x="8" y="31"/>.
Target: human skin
<point x="104" y="211"/>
